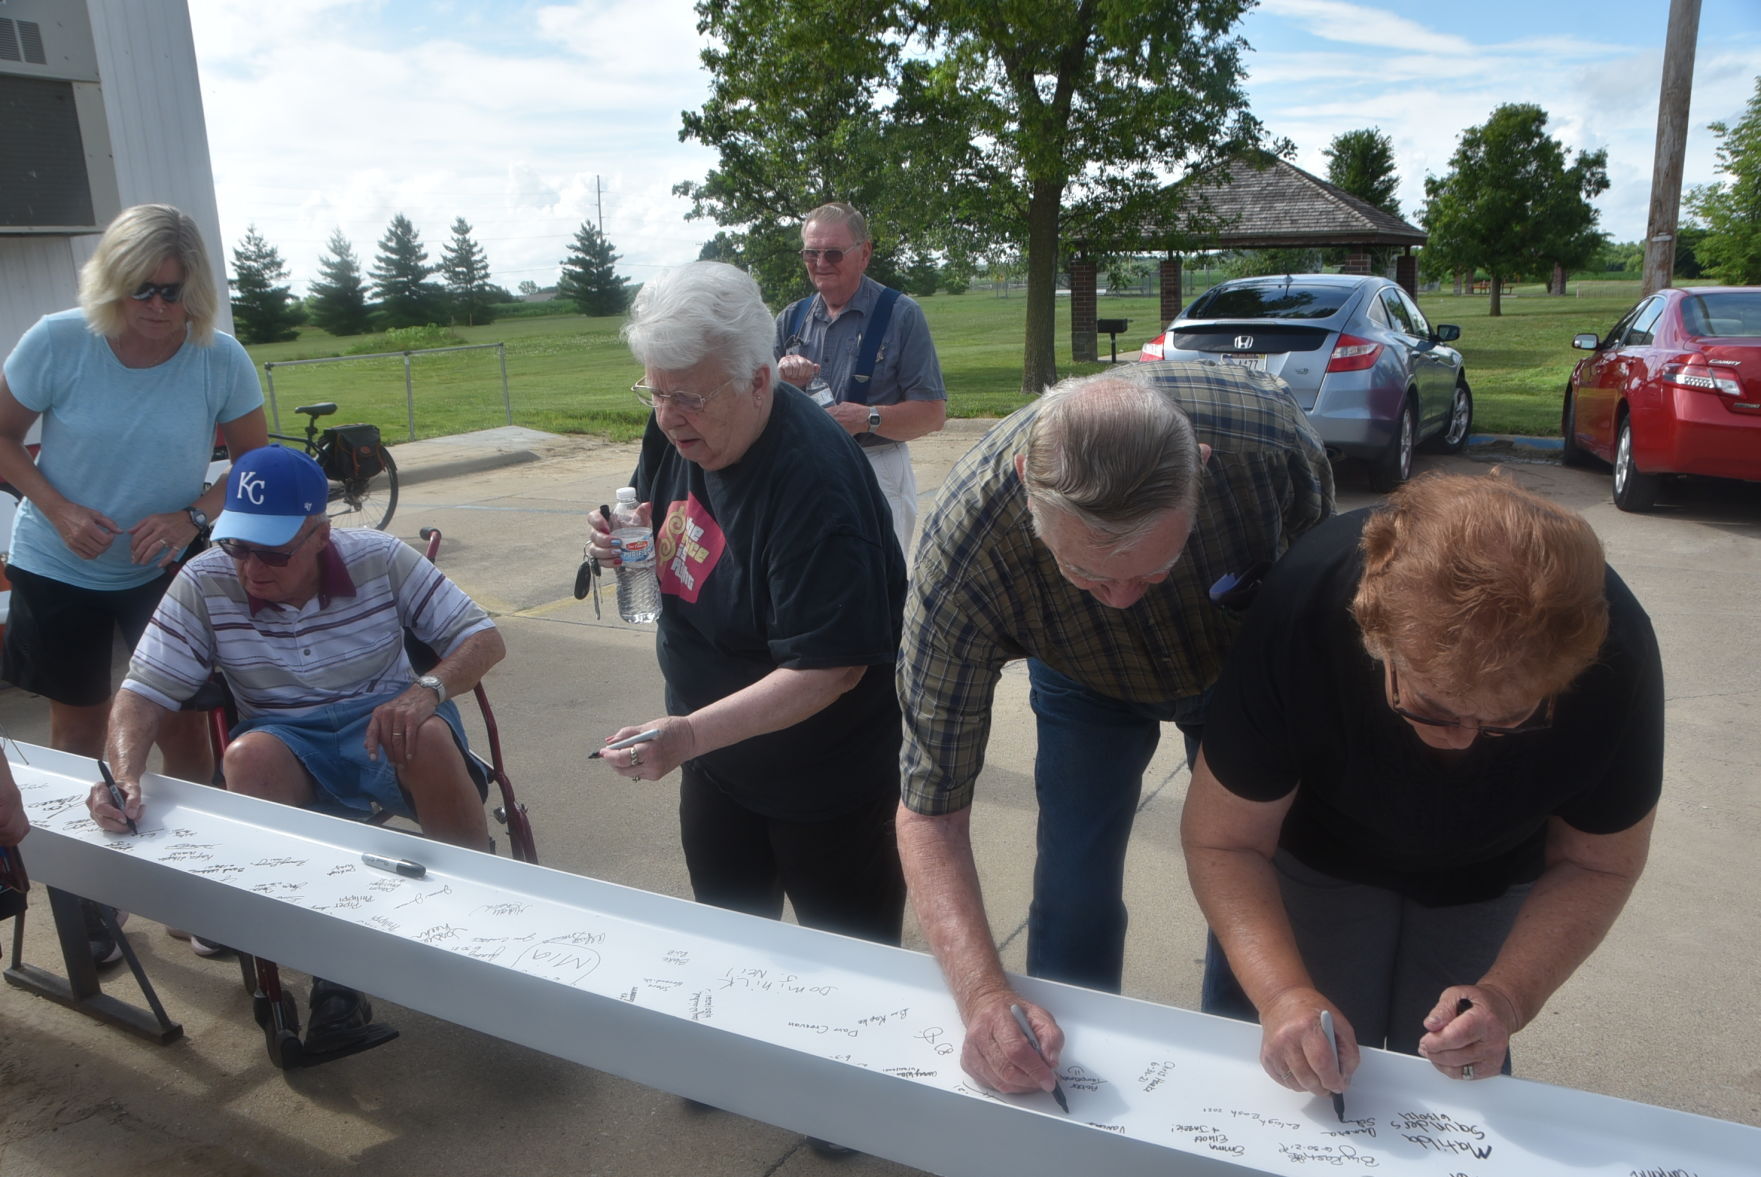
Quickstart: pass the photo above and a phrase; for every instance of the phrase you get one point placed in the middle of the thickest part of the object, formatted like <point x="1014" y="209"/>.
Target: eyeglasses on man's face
<point x="1540" y="719"/>
<point x="272" y="557"/>
<point x="831" y="257"/>
<point x="685" y="402"/>
<point x="171" y="292"/>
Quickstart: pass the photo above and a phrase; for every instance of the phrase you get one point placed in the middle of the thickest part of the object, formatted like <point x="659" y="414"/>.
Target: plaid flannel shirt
<point x="985" y="591"/>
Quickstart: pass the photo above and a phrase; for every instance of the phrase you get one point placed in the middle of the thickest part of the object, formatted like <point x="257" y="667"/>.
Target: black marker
<point x="1033" y="1041"/>
<point x="1333" y="1045"/>
<point x="402" y="866"/>
<point x="1462" y="1005"/>
<point x="116" y="795"/>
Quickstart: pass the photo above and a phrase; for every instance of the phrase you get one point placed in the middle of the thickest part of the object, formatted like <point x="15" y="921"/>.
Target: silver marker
<point x="402" y="866"/>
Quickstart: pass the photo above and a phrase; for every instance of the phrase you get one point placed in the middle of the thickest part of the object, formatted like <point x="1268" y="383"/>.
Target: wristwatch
<point x="433" y="683"/>
<point x="873" y="419"/>
<point x="198" y="518"/>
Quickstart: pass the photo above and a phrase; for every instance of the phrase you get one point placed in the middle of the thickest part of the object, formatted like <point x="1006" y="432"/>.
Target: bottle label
<point x="635" y="548"/>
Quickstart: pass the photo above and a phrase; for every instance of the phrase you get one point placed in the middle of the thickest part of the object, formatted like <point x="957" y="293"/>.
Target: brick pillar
<point x="1356" y="263"/>
<point x="1172" y="300"/>
<point x="1406" y="273"/>
<point x="1082" y="311"/>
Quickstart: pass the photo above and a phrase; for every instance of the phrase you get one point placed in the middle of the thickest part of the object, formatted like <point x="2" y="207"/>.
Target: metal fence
<point x="269" y="367"/>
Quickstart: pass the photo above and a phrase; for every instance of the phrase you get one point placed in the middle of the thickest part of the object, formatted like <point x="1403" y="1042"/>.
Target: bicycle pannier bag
<point x="351" y="452"/>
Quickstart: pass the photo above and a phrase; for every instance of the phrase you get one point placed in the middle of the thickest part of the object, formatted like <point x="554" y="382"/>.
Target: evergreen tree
<point x="589" y="278"/>
<point x="1730" y="249"/>
<point x="466" y="271"/>
<point x="263" y="307"/>
<point x="400" y="278"/>
<point x="338" y="302"/>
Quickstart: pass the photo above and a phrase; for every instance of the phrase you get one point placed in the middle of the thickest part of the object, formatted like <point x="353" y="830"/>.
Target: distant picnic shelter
<point x="1261" y="202"/>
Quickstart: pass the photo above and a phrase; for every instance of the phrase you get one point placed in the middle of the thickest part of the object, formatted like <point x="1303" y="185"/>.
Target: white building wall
<point x="159" y="136"/>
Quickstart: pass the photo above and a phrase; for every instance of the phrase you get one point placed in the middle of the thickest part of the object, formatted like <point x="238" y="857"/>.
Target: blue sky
<point x="525" y="116"/>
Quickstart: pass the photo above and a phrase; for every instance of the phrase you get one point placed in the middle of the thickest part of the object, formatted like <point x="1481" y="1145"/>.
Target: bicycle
<point x="363" y="478"/>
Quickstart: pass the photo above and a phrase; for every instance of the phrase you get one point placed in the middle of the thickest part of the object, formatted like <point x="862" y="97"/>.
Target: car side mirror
<point x="1586" y="342"/>
<point x="1446" y="333"/>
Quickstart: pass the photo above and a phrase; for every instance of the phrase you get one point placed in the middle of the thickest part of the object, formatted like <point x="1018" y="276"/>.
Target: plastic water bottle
<point x="638" y="588"/>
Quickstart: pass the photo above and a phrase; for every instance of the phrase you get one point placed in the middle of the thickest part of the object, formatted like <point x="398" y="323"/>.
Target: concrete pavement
<point x="1660" y="1014"/>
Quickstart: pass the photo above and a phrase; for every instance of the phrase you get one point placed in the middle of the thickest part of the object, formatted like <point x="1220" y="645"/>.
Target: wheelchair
<point x="274" y="1007"/>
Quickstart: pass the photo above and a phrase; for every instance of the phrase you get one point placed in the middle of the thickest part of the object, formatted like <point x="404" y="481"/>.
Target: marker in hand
<point x="1033" y="1041"/>
<point x="116" y="796"/>
<point x="1333" y="1045"/>
<point x="647" y="737"/>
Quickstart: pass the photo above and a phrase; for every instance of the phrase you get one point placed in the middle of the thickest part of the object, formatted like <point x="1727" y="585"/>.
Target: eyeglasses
<point x="832" y="256"/>
<point x="687" y="402"/>
<point x="1540" y="719"/>
<point x="171" y="292"/>
<point x="272" y="557"/>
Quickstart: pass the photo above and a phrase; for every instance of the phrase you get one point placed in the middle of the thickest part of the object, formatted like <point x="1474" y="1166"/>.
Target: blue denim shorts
<point x="329" y="743"/>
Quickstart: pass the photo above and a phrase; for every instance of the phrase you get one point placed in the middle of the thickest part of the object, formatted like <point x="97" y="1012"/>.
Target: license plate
<point x="1242" y="359"/>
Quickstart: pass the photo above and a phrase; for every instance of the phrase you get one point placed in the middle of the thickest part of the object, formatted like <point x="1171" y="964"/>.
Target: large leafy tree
<point x="1731" y="247"/>
<point x="962" y="126"/>
<point x="264" y="309"/>
<point x="1511" y="205"/>
<point x="338" y="300"/>
<point x="465" y="268"/>
<point x="590" y="274"/>
<point x="400" y="278"/>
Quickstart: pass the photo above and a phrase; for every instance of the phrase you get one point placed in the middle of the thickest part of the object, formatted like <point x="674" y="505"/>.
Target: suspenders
<point x="867" y="349"/>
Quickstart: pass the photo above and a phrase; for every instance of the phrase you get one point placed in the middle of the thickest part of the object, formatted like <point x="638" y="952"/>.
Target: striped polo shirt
<point x="345" y="644"/>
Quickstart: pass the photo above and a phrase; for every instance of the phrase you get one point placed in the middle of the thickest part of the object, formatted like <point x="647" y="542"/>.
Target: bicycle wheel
<point x="365" y="502"/>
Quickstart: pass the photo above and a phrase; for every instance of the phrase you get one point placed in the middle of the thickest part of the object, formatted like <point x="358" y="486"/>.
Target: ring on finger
<point x="1467" y="1072"/>
<point x="635" y="758"/>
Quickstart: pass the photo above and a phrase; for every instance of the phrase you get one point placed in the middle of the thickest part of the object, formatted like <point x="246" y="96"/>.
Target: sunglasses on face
<point x="171" y="292"/>
<point x="832" y="256"/>
<point x="272" y="557"/>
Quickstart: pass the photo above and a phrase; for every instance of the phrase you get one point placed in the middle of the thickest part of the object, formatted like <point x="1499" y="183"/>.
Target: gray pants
<point x="1384" y="960"/>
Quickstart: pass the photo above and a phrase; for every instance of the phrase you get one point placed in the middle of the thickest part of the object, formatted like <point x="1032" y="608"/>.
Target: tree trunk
<point x="1039" y="367"/>
<point x="1497" y="298"/>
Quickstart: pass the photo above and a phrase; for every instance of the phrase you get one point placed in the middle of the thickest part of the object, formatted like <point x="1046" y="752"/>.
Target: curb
<point x="1488" y="440"/>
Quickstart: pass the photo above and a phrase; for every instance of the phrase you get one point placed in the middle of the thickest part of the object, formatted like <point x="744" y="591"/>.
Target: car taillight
<point x="1152" y="350"/>
<point x="1352" y="354"/>
<point x="1697" y="373"/>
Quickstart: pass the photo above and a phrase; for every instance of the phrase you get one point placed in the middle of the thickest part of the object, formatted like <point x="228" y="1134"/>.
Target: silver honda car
<point x="1359" y="356"/>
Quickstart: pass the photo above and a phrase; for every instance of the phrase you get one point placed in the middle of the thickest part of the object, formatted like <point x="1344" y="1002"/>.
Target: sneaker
<point x="105" y="949"/>
<point x="198" y="945"/>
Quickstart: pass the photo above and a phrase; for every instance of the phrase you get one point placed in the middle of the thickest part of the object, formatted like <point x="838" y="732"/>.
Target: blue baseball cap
<point x="269" y="494"/>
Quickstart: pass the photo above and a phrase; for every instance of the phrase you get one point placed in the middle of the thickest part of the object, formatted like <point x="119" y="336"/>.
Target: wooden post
<point x="1672" y="140"/>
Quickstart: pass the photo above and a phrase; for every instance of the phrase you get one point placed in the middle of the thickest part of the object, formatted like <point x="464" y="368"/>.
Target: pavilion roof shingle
<point x="1267" y="203"/>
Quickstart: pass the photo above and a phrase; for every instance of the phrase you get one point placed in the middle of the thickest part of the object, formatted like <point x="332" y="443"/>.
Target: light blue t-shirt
<point x="129" y="442"/>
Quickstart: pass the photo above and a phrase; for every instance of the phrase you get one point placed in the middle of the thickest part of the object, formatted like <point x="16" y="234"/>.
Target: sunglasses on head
<point x="273" y="557"/>
<point x="169" y="291"/>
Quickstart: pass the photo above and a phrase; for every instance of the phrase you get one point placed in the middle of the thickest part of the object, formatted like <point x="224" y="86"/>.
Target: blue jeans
<point x="1088" y="775"/>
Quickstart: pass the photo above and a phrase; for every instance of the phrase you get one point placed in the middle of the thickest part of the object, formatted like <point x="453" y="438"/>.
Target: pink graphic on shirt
<point x="690" y="544"/>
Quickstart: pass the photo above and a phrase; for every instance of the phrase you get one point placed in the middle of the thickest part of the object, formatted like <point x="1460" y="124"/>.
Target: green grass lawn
<point x="571" y="374"/>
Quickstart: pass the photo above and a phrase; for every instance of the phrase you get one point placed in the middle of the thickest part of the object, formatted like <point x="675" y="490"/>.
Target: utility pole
<point x="1672" y="143"/>
<point x="599" y="189"/>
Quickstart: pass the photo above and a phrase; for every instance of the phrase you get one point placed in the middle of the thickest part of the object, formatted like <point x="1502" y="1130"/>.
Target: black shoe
<point x="826" y="1148"/>
<point x="340" y="1023"/>
<point x="105" y="949"/>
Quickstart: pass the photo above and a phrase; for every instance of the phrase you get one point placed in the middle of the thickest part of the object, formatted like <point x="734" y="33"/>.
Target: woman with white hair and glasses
<point x="1428" y="780"/>
<point x="129" y="386"/>
<point x="782" y="592"/>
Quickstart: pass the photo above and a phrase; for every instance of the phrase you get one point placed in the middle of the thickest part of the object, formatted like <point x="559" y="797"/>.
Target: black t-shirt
<point x="787" y="558"/>
<point x="1301" y="706"/>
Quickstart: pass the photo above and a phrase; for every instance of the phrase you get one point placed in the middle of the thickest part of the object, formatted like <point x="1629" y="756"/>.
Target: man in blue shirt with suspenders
<point x="863" y="351"/>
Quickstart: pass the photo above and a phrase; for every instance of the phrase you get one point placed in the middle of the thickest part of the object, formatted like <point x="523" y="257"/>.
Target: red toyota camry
<point x="1674" y="388"/>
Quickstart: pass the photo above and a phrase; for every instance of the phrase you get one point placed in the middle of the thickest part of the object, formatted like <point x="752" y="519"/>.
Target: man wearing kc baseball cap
<point x="270" y="493"/>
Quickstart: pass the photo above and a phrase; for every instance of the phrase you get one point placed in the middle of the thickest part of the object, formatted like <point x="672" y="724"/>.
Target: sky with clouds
<point x="527" y="118"/>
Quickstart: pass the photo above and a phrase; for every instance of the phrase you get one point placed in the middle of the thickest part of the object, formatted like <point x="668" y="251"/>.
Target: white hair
<point x="689" y="314"/>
